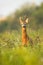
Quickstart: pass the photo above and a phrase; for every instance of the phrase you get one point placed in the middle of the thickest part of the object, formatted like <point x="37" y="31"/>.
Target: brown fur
<point x="25" y="38"/>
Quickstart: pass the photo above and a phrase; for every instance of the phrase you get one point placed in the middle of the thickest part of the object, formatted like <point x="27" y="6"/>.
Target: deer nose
<point x="23" y="25"/>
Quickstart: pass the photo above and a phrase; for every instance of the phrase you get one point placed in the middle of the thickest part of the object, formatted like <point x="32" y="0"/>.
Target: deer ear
<point x="21" y="20"/>
<point x="27" y="20"/>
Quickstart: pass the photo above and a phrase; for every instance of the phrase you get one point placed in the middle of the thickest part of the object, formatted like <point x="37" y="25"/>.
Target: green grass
<point x="22" y="56"/>
<point x="12" y="53"/>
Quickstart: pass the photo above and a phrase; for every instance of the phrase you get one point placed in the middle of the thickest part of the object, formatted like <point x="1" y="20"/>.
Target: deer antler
<point x="26" y="20"/>
<point x="20" y="20"/>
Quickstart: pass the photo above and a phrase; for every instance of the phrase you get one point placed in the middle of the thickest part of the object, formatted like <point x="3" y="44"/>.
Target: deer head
<point x="24" y="21"/>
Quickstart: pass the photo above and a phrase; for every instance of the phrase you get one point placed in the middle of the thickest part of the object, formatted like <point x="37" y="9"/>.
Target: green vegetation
<point x="22" y="56"/>
<point x="11" y="50"/>
<point x="35" y="13"/>
<point x="12" y="53"/>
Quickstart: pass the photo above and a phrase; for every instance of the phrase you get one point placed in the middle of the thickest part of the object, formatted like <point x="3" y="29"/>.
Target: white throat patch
<point x="23" y="25"/>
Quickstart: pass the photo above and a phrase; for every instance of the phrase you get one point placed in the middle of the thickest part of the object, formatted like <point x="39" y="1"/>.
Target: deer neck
<point x="24" y="36"/>
<point x="24" y="31"/>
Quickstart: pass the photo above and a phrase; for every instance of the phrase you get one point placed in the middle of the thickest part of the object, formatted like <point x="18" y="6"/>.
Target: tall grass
<point x="12" y="53"/>
<point x="22" y="56"/>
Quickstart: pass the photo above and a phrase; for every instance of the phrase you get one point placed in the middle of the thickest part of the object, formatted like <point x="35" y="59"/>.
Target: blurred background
<point x="11" y="10"/>
<point x="12" y="53"/>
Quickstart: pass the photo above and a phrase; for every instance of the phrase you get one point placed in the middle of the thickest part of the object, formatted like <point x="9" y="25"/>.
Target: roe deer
<point x="25" y="38"/>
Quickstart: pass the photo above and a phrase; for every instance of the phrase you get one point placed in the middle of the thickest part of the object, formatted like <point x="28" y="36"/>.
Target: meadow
<point x="13" y="53"/>
<point x="11" y="50"/>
